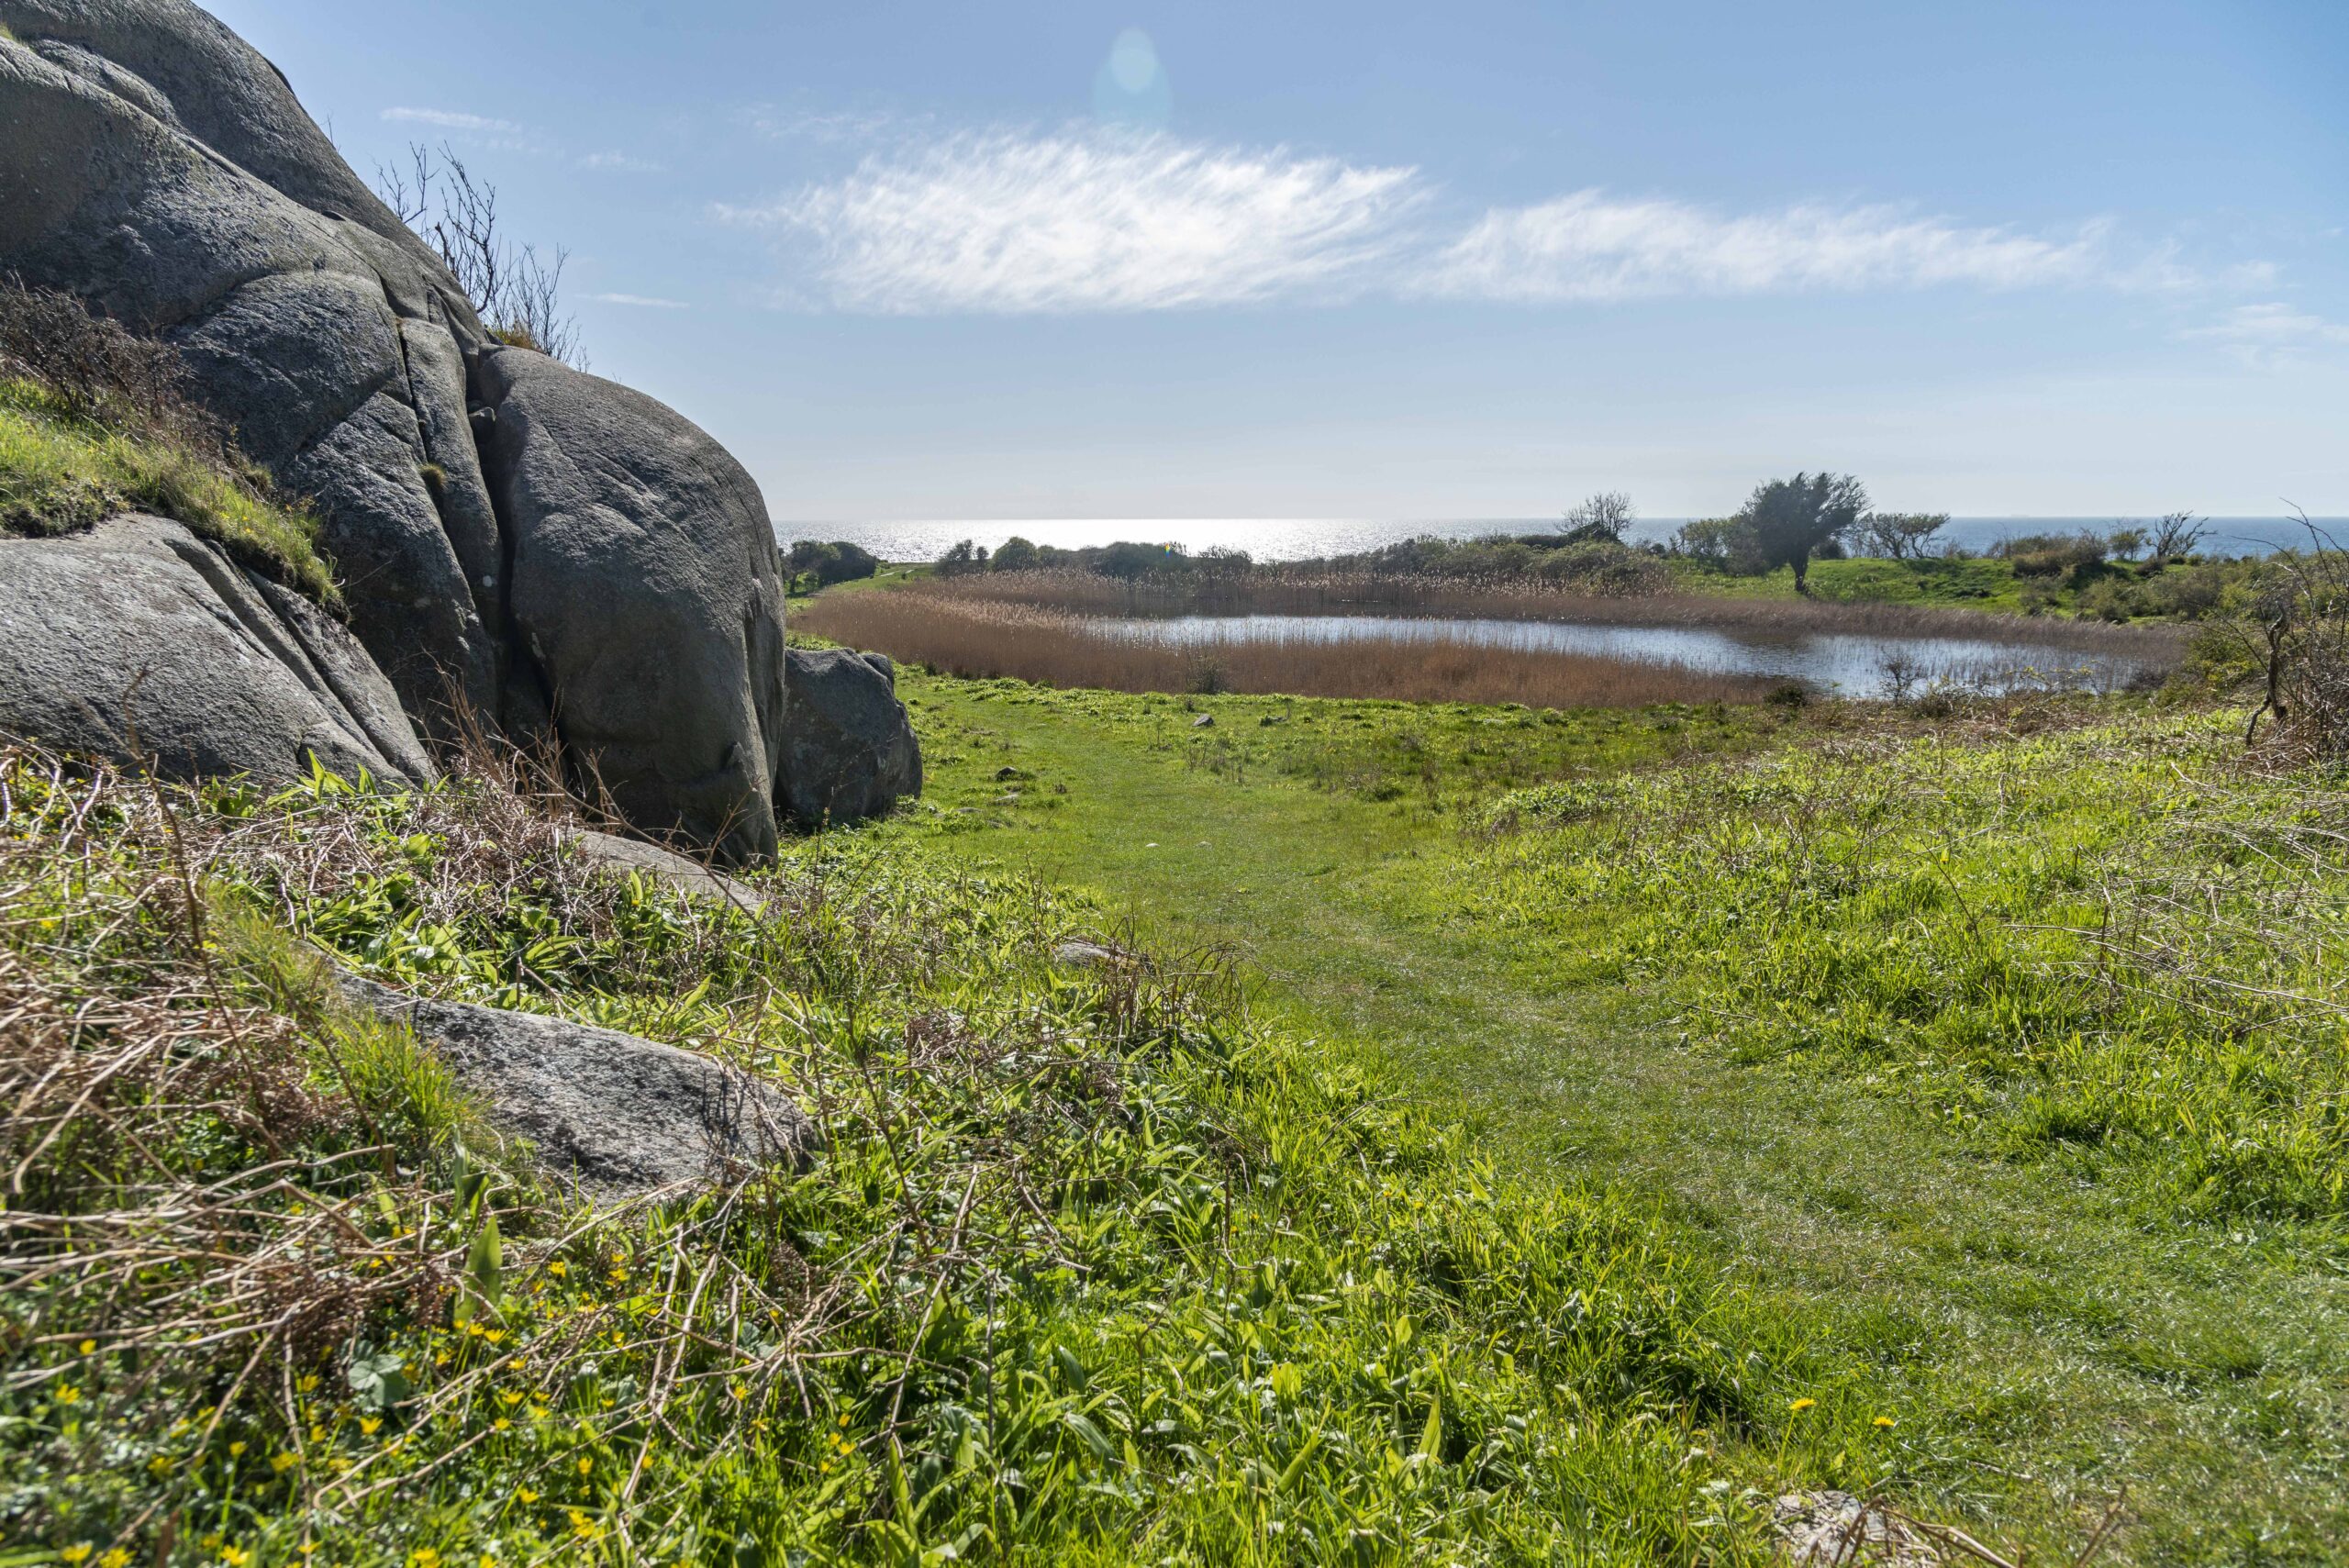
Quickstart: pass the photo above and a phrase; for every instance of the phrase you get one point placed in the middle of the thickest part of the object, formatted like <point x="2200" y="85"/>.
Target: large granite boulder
<point x="558" y="555"/>
<point x="139" y="623"/>
<point x="643" y="578"/>
<point x="849" y="750"/>
<point x="620" y="1116"/>
<point x="159" y="168"/>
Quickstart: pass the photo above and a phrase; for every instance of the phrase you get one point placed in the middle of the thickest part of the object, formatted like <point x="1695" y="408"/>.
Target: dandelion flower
<point x="1884" y="1421"/>
<point x="499" y="1425"/>
<point x="282" y="1462"/>
<point x="118" y="1557"/>
<point x="586" y="1466"/>
<point x="89" y="1347"/>
<point x="1802" y="1405"/>
<point x="69" y="1394"/>
<point x="526" y="1494"/>
<point x="75" y="1553"/>
<point x="424" y="1557"/>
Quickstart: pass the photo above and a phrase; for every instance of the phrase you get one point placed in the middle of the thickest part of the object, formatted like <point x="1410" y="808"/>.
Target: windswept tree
<point x="2174" y="535"/>
<point x="1601" y="519"/>
<point x="1899" y="536"/>
<point x="1791" y="518"/>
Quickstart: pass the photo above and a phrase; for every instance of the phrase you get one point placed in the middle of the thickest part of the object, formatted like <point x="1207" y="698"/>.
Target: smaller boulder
<point x="141" y="624"/>
<point x="683" y="873"/>
<point x="617" y="1115"/>
<point x="849" y="750"/>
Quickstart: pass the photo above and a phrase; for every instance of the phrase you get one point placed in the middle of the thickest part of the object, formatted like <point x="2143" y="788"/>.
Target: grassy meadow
<point x="1999" y="1050"/>
<point x="1477" y="1134"/>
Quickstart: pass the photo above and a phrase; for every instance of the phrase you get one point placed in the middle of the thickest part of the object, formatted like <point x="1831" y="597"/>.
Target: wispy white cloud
<point x="2271" y="333"/>
<point x="619" y="163"/>
<point x="451" y="119"/>
<point x="1589" y="246"/>
<point x="793" y="123"/>
<point x="1076" y="221"/>
<point x="643" y="301"/>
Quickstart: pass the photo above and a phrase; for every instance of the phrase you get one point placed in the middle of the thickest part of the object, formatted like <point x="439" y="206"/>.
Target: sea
<point x="1299" y="538"/>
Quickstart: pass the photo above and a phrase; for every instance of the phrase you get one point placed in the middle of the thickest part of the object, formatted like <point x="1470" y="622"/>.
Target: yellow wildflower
<point x="424" y="1557"/>
<point x="1801" y="1405"/>
<point x="89" y="1347"/>
<point x="75" y="1553"/>
<point x="368" y="1424"/>
<point x="558" y="1268"/>
<point x="282" y="1462"/>
<point x="1884" y="1421"/>
<point x="307" y="1383"/>
<point x="118" y="1557"/>
<point x="526" y="1494"/>
<point x="235" y="1556"/>
<point x="499" y="1425"/>
<point x="69" y="1394"/>
<point x="236" y="1451"/>
<point x="586" y="1466"/>
<point x="510" y="1397"/>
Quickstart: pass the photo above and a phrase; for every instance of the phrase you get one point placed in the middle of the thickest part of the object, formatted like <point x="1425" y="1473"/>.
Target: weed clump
<point x="94" y="420"/>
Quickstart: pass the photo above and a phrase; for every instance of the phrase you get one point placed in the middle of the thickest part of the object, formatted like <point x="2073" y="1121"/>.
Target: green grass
<point x="1614" y="1120"/>
<point x="2058" y="1305"/>
<point x="60" y="475"/>
<point x="1095" y="1266"/>
<point x="1967" y="585"/>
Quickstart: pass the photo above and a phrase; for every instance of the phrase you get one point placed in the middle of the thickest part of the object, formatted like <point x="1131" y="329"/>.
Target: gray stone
<point x="1205" y="721"/>
<point x="562" y="556"/>
<point x="620" y="1116"/>
<point x="849" y="750"/>
<point x="683" y="873"/>
<point x="222" y="672"/>
<point x="181" y="66"/>
<point x="647" y="586"/>
<point x="290" y="319"/>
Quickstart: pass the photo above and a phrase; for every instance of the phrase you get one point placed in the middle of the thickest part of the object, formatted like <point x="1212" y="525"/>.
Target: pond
<point x="1842" y="664"/>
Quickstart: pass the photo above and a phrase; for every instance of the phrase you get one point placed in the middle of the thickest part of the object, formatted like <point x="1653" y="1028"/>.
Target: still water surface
<point x="1840" y="663"/>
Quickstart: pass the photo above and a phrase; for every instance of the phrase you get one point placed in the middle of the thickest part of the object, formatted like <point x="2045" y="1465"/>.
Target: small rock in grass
<point x="1205" y="721"/>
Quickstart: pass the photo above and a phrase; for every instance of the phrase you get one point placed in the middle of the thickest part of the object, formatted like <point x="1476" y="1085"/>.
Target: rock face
<point x="849" y="751"/>
<point x="162" y="170"/>
<point x="643" y="576"/>
<point x="561" y="555"/>
<point x="618" y="1115"/>
<point x="222" y="672"/>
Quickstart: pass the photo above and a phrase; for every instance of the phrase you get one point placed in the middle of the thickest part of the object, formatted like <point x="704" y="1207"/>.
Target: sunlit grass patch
<point x="2117" y="940"/>
<point x="60" y="475"/>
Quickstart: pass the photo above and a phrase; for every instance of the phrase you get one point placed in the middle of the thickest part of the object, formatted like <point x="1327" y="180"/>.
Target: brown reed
<point x="965" y="635"/>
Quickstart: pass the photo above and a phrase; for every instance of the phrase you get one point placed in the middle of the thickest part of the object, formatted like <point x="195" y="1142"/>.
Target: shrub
<point x="1015" y="554"/>
<point x="846" y="563"/>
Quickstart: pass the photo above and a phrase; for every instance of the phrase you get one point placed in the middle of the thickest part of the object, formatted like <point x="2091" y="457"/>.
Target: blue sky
<point x="1022" y="260"/>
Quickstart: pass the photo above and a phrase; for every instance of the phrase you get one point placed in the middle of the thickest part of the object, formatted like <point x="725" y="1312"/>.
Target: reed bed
<point x="1275" y="592"/>
<point x="968" y="635"/>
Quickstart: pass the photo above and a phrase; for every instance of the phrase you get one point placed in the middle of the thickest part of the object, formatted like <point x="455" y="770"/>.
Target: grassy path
<point x="2046" y="1352"/>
